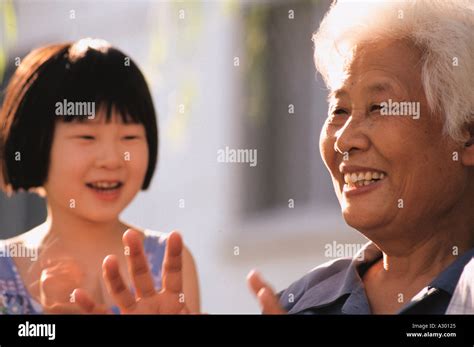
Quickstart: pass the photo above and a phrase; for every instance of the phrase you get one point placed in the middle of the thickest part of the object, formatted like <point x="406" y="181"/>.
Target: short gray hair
<point x="442" y="29"/>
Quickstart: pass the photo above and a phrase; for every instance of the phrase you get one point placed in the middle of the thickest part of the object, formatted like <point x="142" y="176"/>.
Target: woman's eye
<point x="375" y="108"/>
<point x="130" y="137"/>
<point x="339" y="111"/>
<point x="86" y="137"/>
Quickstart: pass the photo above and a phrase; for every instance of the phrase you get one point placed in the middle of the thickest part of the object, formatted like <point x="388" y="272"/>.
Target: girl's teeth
<point x="105" y="185"/>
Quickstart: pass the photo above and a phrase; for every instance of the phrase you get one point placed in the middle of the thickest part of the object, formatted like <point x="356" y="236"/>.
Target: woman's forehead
<point x="378" y="68"/>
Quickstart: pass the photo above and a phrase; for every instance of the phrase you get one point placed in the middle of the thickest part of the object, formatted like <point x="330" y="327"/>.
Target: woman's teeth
<point x="360" y="179"/>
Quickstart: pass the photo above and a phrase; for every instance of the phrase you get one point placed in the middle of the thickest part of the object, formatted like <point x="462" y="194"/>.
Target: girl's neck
<point x="69" y="231"/>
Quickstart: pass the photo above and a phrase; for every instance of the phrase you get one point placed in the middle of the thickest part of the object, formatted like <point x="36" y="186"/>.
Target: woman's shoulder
<point x="323" y="272"/>
<point x="321" y="280"/>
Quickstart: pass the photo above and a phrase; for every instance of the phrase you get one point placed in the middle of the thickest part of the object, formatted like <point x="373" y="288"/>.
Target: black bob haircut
<point x="84" y="71"/>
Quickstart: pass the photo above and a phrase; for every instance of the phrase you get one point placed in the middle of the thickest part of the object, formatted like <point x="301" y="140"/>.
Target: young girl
<point x="78" y="126"/>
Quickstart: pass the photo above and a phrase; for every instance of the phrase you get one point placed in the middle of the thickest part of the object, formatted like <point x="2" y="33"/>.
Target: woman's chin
<point x="363" y="220"/>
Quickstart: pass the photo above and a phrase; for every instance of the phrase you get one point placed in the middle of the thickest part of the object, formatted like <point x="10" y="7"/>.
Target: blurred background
<point x="235" y="74"/>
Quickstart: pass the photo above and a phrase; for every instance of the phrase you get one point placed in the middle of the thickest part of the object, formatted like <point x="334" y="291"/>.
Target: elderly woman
<point x="398" y="143"/>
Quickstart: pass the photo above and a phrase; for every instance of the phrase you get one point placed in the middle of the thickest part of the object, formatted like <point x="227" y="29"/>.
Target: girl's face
<point x="96" y="168"/>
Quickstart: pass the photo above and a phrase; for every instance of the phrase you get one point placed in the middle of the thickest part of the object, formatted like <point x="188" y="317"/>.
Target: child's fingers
<point x="86" y="304"/>
<point x="61" y="309"/>
<point x="267" y="299"/>
<point x="138" y="264"/>
<point x="116" y="286"/>
<point x="173" y="264"/>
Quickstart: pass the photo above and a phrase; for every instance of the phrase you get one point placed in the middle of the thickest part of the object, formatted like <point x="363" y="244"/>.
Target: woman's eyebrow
<point x="336" y="94"/>
<point x="380" y="87"/>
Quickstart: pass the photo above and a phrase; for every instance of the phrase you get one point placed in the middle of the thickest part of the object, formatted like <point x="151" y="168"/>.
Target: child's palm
<point x="170" y="300"/>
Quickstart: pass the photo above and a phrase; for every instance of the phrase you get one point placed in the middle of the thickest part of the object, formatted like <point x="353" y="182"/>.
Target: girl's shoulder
<point x="155" y="245"/>
<point x="14" y="298"/>
<point x="154" y="241"/>
<point x="154" y="235"/>
<point x="5" y="265"/>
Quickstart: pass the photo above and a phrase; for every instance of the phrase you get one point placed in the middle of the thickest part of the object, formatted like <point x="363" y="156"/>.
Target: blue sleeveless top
<point x="15" y="299"/>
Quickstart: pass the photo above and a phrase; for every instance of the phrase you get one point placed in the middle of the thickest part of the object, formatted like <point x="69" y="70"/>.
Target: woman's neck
<point x="425" y="259"/>
<point x="428" y="248"/>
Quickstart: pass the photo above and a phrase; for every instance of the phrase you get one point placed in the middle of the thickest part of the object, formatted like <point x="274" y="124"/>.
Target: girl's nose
<point x="110" y="157"/>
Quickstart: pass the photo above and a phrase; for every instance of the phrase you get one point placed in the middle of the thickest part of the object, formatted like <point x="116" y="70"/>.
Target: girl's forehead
<point x="101" y="117"/>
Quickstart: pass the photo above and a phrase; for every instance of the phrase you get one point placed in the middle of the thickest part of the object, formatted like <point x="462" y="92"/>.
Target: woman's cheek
<point x="326" y="144"/>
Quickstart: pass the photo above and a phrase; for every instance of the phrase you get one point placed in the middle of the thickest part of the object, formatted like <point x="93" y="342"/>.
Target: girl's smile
<point x="106" y="190"/>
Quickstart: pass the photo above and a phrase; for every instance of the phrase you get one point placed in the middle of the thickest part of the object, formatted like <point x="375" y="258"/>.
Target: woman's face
<point x="96" y="168"/>
<point x="404" y="167"/>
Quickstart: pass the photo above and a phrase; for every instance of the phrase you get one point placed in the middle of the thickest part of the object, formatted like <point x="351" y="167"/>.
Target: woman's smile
<point x="362" y="186"/>
<point x="359" y="180"/>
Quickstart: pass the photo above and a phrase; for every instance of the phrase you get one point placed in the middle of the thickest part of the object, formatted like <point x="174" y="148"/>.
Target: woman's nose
<point x="352" y="136"/>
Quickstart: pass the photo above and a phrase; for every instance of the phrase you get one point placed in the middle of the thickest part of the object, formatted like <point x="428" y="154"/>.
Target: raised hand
<point x="58" y="279"/>
<point x="267" y="299"/>
<point x="146" y="300"/>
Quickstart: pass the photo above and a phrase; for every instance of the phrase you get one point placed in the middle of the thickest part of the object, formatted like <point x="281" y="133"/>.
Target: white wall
<point x="191" y="62"/>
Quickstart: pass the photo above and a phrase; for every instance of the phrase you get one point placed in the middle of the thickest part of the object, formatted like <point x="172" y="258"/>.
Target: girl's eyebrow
<point x="81" y="124"/>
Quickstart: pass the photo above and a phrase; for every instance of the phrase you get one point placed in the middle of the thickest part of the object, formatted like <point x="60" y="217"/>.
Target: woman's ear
<point x="467" y="153"/>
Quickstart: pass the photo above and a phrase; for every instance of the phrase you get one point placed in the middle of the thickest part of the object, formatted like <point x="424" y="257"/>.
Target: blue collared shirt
<point x="336" y="287"/>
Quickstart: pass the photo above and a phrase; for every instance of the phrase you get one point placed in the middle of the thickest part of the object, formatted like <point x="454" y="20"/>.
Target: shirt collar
<point x="449" y="277"/>
<point x="348" y="280"/>
<point x="342" y="283"/>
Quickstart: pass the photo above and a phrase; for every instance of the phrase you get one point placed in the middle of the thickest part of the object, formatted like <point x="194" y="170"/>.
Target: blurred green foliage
<point x="256" y="23"/>
<point x="7" y="32"/>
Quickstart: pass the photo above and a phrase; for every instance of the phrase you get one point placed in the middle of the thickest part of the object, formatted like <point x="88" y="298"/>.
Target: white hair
<point x="442" y="29"/>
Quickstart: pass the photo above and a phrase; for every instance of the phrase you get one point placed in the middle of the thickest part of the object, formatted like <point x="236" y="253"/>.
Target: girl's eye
<point x="86" y="137"/>
<point x="130" y="137"/>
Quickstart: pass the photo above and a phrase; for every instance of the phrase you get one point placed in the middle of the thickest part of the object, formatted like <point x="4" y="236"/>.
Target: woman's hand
<point x="267" y="299"/>
<point x="146" y="300"/>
